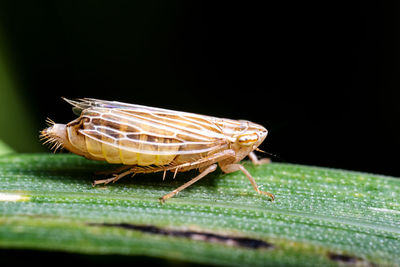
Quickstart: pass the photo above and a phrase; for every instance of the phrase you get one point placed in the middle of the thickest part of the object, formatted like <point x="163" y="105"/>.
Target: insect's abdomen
<point x="123" y="155"/>
<point x="130" y="147"/>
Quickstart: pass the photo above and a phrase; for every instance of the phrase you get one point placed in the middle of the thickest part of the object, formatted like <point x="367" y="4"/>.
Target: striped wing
<point x="148" y="130"/>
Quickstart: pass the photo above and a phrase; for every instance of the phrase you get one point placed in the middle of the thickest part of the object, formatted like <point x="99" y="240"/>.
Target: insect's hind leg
<point x="208" y="170"/>
<point x="113" y="171"/>
<point x="113" y="179"/>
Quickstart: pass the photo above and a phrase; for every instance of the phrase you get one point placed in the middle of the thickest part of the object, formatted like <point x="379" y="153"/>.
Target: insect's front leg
<point x="238" y="167"/>
<point x="253" y="157"/>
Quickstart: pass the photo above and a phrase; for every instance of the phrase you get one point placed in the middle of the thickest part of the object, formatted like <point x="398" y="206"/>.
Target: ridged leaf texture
<point x="320" y="216"/>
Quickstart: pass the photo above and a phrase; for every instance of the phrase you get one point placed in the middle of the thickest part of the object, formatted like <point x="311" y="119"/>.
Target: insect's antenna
<point x="269" y="153"/>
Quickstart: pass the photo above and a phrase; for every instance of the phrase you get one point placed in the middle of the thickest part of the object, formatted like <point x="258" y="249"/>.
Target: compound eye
<point x="247" y="139"/>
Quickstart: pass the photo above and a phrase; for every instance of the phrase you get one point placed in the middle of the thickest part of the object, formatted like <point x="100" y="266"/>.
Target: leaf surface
<point x="320" y="216"/>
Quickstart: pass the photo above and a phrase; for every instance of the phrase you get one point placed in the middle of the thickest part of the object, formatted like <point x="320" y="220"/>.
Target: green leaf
<point x="320" y="216"/>
<point x="5" y="149"/>
<point x="16" y="116"/>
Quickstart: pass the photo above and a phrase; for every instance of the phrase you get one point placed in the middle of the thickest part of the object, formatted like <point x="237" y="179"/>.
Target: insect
<point x="147" y="139"/>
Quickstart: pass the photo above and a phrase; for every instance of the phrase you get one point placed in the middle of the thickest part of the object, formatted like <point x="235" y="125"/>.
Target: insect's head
<point x="253" y="135"/>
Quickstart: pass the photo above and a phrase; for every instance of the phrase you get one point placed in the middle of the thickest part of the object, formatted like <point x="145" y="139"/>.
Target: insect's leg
<point x="252" y="156"/>
<point x="117" y="170"/>
<point x="238" y="167"/>
<point x="211" y="168"/>
<point x="113" y="179"/>
<point x="203" y="163"/>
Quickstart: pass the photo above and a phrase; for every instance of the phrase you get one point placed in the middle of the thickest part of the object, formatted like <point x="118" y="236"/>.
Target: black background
<point x="320" y="76"/>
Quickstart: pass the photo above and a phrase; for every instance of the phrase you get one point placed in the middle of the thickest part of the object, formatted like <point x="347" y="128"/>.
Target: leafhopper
<point x="147" y="139"/>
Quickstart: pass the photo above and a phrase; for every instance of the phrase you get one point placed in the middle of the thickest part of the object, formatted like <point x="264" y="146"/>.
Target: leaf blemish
<point x="346" y="259"/>
<point x="201" y="236"/>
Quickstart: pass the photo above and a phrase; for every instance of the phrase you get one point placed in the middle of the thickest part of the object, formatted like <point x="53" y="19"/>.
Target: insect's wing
<point x="147" y="130"/>
<point x="85" y="103"/>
